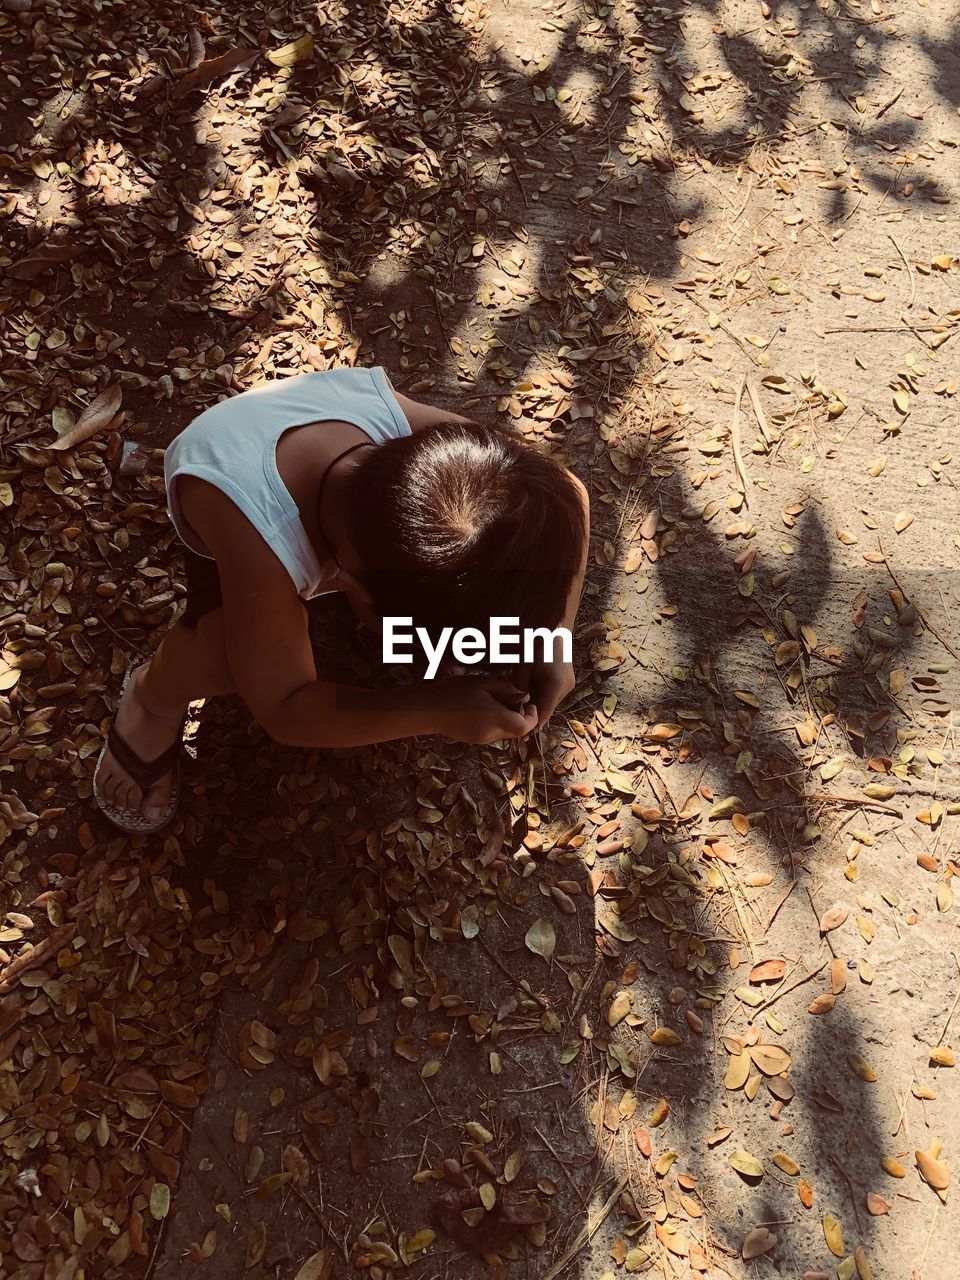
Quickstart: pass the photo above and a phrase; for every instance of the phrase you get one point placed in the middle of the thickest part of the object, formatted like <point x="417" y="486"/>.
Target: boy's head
<point x="459" y="523"/>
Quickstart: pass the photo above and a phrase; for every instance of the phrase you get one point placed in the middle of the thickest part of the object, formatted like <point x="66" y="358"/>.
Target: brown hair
<point x="458" y="523"/>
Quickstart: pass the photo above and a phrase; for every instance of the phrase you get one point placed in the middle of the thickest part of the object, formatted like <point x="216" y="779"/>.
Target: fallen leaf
<point x="768" y="971"/>
<point x="290" y="54"/>
<point x="833" y="1234"/>
<point x="319" y="1266"/>
<point x="665" y="1037"/>
<point x="861" y="1067"/>
<point x="541" y="938"/>
<point x="770" y="1058"/>
<point x="758" y="1241"/>
<point x="833" y="917"/>
<point x="213" y="68"/>
<point x="98" y="414"/>
<point x="745" y="1163"/>
<point x="934" y="1172"/>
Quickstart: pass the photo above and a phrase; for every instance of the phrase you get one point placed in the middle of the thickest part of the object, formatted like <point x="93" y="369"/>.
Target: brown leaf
<point x="770" y="1058"/>
<point x="98" y="414"/>
<point x="46" y="256"/>
<point x="319" y="1266"/>
<point x="212" y="69"/>
<point x="768" y="971"/>
<point x="758" y="1241"/>
<point x="833" y="917"/>
<point x="934" y="1172"/>
<point x="822" y="1003"/>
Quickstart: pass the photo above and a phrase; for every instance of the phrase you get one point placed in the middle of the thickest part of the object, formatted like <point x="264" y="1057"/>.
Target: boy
<point x="327" y="482"/>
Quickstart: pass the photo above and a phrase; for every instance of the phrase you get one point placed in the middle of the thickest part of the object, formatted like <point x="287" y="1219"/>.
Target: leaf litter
<point x="113" y="964"/>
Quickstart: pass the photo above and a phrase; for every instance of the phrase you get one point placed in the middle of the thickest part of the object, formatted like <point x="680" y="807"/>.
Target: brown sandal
<point x="143" y="772"/>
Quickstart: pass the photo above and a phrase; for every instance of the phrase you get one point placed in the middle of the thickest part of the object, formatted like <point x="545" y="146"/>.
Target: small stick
<point x="884" y="328"/>
<point x="953" y="1008"/>
<point x="734" y="894"/>
<point x="792" y="987"/>
<point x="553" y="1151"/>
<point x="912" y="277"/>
<point x="776" y="910"/>
<point x="816" y="916"/>
<point x="320" y="1218"/>
<point x="758" y="410"/>
<point x="859" y="802"/>
<point x="853" y="1193"/>
<point x="735" y="441"/>
<point x="746" y="200"/>
<point x="588" y="1231"/>
<point x="10" y="973"/>
<point x="933" y="1223"/>
<point x="500" y="965"/>
<point x="889" y="103"/>
<point x="920" y="613"/>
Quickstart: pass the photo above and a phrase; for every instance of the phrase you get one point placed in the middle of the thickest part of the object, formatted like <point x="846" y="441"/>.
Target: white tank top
<point x="233" y="445"/>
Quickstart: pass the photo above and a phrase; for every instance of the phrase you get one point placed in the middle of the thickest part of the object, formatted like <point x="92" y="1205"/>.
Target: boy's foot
<point x="150" y="734"/>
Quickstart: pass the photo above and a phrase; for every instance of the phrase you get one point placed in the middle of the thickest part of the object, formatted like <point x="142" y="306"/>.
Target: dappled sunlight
<point x="609" y="1000"/>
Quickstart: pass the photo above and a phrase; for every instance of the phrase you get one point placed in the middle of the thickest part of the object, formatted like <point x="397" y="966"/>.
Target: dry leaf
<point x="290" y="54"/>
<point x="833" y="917"/>
<point x="213" y="68"/>
<point x="97" y="415"/>
<point x="770" y="1058"/>
<point x="758" y="1241"/>
<point x="833" y="1234"/>
<point x="934" y="1172"/>
<point x="541" y="938"/>
<point x="319" y="1266"/>
<point x="861" y="1067"/>
<point x="768" y="971"/>
<point x="745" y="1163"/>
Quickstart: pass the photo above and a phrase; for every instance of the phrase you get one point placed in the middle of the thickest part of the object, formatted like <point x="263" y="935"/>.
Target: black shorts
<point x="203" y="587"/>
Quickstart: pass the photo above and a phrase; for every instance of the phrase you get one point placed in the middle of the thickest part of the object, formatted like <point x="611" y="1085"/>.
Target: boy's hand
<point x="482" y="709"/>
<point x="548" y="684"/>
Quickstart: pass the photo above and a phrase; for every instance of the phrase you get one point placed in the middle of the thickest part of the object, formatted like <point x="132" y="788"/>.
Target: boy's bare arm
<point x="271" y="659"/>
<point x="421" y="416"/>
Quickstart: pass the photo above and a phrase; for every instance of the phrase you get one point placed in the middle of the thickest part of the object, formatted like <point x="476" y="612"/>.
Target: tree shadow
<point x="376" y="888"/>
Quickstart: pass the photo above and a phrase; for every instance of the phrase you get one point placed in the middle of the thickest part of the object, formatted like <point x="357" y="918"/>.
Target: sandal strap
<point x="143" y="772"/>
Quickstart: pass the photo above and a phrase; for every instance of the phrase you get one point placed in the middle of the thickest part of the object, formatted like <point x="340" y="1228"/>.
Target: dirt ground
<point x="670" y="991"/>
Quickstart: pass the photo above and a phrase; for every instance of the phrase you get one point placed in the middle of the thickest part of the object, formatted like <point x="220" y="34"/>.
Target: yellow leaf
<point x="833" y="1234"/>
<point x="745" y="1163"/>
<point x="770" y="1058"/>
<point x="934" y="1172"/>
<point x="420" y="1240"/>
<point x="290" y="54"/>
<point x="737" y="1071"/>
<point x="665" y="1037"/>
<point x="861" y="1067"/>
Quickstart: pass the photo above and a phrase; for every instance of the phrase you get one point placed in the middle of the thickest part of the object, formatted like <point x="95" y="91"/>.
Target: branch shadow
<point x="390" y="898"/>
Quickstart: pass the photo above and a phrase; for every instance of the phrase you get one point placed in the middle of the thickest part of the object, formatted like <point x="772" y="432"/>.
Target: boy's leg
<point x="190" y="663"/>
